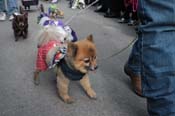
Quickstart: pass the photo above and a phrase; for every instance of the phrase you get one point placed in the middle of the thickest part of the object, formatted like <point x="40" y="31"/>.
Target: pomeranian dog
<point x="80" y="58"/>
<point x="20" y="24"/>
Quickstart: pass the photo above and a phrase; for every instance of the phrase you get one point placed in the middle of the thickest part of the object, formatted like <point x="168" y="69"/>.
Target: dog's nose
<point x="96" y="67"/>
<point x="93" y="68"/>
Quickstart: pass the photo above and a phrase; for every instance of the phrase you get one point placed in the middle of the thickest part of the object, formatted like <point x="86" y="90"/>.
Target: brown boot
<point x="135" y="79"/>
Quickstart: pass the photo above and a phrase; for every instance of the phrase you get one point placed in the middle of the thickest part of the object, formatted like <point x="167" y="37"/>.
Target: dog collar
<point x="71" y="74"/>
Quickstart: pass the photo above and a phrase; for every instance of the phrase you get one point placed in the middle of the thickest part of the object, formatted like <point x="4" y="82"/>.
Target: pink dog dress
<point x="43" y="50"/>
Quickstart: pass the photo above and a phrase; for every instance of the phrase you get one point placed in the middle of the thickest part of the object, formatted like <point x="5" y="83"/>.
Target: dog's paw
<point x="36" y="81"/>
<point x="91" y="93"/>
<point x="16" y="39"/>
<point x="24" y="36"/>
<point x="68" y="100"/>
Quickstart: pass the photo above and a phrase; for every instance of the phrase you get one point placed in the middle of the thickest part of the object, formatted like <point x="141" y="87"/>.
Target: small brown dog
<point x="20" y="24"/>
<point x="80" y="58"/>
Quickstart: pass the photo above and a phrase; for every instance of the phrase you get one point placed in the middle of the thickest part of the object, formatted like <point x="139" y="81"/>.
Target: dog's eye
<point x="95" y="57"/>
<point x="86" y="60"/>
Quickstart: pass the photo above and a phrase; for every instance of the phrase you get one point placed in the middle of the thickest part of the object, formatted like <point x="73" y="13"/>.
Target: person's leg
<point x="112" y="9"/>
<point x="2" y="6"/>
<point x="133" y="68"/>
<point x="134" y="61"/>
<point x="123" y="12"/>
<point x="128" y="13"/>
<point x="2" y="10"/>
<point x="157" y="49"/>
<point x="12" y="7"/>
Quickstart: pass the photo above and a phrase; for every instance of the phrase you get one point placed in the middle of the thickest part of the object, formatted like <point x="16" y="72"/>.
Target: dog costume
<point x="59" y="44"/>
<point x="43" y="50"/>
<point x="45" y="21"/>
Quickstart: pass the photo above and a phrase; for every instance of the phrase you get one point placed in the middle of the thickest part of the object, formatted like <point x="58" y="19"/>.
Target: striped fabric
<point x="42" y="52"/>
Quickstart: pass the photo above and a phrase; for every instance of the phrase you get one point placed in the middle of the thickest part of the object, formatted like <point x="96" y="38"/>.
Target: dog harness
<point x="70" y="73"/>
<point x="43" y="51"/>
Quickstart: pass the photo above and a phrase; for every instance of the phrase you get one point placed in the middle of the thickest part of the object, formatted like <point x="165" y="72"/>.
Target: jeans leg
<point x="2" y="6"/>
<point x="12" y="6"/>
<point x="134" y="62"/>
<point x="158" y="55"/>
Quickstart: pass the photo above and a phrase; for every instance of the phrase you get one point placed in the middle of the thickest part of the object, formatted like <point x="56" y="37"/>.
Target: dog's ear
<point x="90" y="38"/>
<point x="72" y="49"/>
<point x="15" y="16"/>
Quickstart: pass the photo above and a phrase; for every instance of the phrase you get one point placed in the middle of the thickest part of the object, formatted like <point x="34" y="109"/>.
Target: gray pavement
<point x="20" y="97"/>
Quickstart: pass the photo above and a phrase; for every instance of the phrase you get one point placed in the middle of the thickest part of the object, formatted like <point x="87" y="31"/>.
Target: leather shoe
<point x="100" y="9"/>
<point x="135" y="80"/>
<point x="110" y="15"/>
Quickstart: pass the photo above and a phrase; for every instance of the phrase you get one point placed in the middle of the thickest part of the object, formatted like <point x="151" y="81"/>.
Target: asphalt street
<point x="20" y="97"/>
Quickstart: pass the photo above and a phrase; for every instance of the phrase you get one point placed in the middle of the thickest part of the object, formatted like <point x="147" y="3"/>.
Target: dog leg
<point x="63" y="85"/>
<point x="36" y="77"/>
<point x="24" y="35"/>
<point x="16" y="36"/>
<point x="16" y="39"/>
<point x="85" y="83"/>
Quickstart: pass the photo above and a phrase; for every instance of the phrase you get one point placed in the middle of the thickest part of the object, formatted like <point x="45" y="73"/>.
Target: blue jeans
<point x="2" y="6"/>
<point x="153" y="55"/>
<point x="12" y="6"/>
